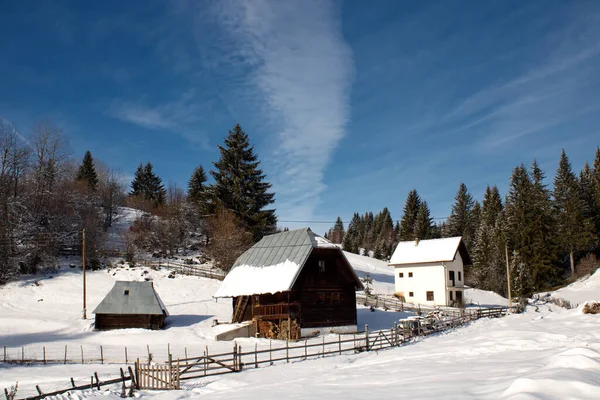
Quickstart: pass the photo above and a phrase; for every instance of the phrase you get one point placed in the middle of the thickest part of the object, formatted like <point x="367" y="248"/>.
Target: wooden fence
<point x="169" y="375"/>
<point x="94" y="383"/>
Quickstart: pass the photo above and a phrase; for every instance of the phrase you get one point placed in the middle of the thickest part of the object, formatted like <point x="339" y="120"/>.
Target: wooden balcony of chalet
<point x="276" y="311"/>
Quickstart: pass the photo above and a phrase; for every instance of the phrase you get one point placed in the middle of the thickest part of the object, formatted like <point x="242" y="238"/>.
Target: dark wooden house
<point x="293" y="284"/>
<point x="131" y="305"/>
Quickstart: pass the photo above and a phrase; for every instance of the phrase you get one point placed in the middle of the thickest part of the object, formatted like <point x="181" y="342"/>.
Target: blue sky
<point x="350" y="104"/>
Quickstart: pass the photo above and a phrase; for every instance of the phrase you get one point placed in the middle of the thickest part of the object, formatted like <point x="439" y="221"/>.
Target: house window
<point x="321" y="266"/>
<point x="401" y="275"/>
<point x="451" y="275"/>
<point x="335" y="297"/>
<point x="459" y="276"/>
<point x="410" y="294"/>
<point x="410" y="274"/>
<point x="126" y="292"/>
<point x="321" y="298"/>
<point x="451" y="295"/>
<point x="430" y="296"/>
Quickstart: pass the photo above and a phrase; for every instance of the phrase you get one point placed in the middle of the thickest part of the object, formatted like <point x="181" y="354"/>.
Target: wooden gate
<point x="157" y="376"/>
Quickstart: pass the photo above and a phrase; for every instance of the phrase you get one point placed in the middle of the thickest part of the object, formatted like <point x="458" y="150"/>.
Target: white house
<point x="430" y="271"/>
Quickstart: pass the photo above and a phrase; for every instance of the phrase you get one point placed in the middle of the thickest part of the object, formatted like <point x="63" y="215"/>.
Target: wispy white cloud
<point x="177" y="116"/>
<point x="300" y="72"/>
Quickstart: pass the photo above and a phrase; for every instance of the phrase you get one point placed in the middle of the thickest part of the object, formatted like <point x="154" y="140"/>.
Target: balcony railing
<point x="276" y="310"/>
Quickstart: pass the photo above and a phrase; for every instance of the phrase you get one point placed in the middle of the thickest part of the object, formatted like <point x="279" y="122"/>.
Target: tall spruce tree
<point x="574" y="229"/>
<point x="489" y="270"/>
<point x="147" y="185"/>
<point x="197" y="190"/>
<point x="596" y="189"/>
<point x="409" y="216"/>
<point x="423" y="222"/>
<point x="336" y="235"/>
<point x="461" y="221"/>
<point x="87" y="172"/>
<point x="240" y="184"/>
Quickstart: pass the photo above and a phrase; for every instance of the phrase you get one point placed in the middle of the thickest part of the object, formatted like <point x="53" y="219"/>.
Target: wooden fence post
<point x="133" y="377"/>
<point x="255" y="355"/>
<point x="97" y="380"/>
<point x="126" y="359"/>
<point x="205" y="356"/>
<point x="101" y="355"/>
<point x="367" y="336"/>
<point x="323" y="346"/>
<point x="240" y="365"/>
<point x="5" y="355"/>
<point x="186" y="356"/>
<point x="305" y="349"/>
<point x="287" y="351"/>
<point x="82" y="354"/>
<point x="340" y="343"/>
<point x="65" y="354"/>
<point x="270" y="353"/>
<point x="149" y="356"/>
<point x="22" y="353"/>
<point x="72" y="382"/>
<point x="37" y="387"/>
<point x="44" y="354"/>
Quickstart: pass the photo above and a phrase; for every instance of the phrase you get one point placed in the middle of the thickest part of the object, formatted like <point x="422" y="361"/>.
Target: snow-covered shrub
<point x="591" y="307"/>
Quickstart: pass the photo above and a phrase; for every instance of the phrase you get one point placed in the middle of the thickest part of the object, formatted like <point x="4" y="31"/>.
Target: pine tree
<point x="87" y="172"/>
<point x="409" y="216"/>
<point x="197" y="190"/>
<point x="488" y="250"/>
<point x="574" y="229"/>
<point x="337" y="234"/>
<point x="240" y="184"/>
<point x="148" y="186"/>
<point x="460" y="222"/>
<point x="596" y="190"/>
<point x="351" y="237"/>
<point x="423" y="222"/>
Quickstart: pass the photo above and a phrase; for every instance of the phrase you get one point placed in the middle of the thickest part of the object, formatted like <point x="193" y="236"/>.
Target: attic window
<point x="126" y="292"/>
<point x="321" y="266"/>
<point x="459" y="276"/>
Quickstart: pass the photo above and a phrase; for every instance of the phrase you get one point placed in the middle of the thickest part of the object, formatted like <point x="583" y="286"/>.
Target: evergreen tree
<point x="460" y="222"/>
<point x="574" y="229"/>
<point x="148" y="186"/>
<point x="240" y="184"/>
<point x="596" y="191"/>
<point x="586" y="186"/>
<point x="409" y="216"/>
<point x="337" y="234"/>
<point x="197" y="192"/>
<point x="423" y="222"/>
<point x="351" y="237"/>
<point x="87" y="172"/>
<point x="489" y="270"/>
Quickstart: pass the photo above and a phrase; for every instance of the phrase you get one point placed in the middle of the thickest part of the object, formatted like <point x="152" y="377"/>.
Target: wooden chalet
<point x="131" y="305"/>
<point x="293" y="284"/>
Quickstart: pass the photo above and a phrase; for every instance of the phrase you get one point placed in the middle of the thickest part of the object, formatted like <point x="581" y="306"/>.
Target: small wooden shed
<point x="131" y="305"/>
<point x="293" y="284"/>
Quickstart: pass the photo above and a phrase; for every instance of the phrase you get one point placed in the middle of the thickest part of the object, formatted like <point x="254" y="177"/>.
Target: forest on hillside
<point x="48" y="198"/>
<point x="551" y="233"/>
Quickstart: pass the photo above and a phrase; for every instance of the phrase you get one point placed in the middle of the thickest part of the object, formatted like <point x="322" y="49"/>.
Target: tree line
<point x="550" y="234"/>
<point x="47" y="198"/>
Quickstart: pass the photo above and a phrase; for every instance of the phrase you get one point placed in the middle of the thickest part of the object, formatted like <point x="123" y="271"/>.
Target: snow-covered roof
<point x="273" y="264"/>
<point x="430" y="250"/>
<point x="128" y="298"/>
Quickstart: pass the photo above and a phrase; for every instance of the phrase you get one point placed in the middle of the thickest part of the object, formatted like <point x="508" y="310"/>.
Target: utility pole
<point x="83" y="261"/>
<point x="508" y="278"/>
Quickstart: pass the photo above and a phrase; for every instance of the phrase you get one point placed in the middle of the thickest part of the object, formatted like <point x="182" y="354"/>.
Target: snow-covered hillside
<point x="580" y="291"/>
<point x="379" y="271"/>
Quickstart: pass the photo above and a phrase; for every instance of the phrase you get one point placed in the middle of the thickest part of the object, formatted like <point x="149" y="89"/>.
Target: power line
<point x="333" y="222"/>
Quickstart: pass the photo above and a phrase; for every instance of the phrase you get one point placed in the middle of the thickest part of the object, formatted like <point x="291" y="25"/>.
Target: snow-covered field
<point x="550" y="354"/>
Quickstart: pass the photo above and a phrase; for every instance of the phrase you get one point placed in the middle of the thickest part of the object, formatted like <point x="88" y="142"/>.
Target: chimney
<point x="416" y="241"/>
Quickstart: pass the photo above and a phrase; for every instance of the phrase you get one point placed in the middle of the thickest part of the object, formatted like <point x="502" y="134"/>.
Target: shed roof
<point x="130" y="298"/>
<point x="274" y="263"/>
<point x="428" y="251"/>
